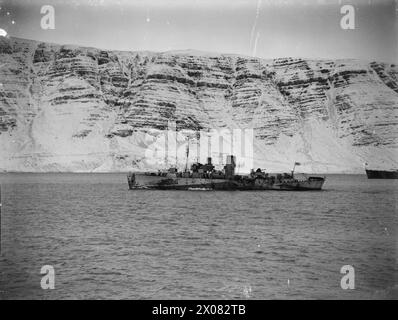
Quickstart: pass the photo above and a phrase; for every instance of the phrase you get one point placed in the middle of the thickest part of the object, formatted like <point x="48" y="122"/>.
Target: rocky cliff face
<point x="66" y="108"/>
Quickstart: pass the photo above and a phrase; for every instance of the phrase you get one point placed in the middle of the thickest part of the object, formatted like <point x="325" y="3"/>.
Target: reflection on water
<point x="105" y="241"/>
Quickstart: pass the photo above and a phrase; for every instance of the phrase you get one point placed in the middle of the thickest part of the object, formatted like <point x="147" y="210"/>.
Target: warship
<point x="205" y="177"/>
<point x="381" y="174"/>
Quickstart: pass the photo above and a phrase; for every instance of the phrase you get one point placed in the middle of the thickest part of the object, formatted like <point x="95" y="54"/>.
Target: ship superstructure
<point x="205" y="177"/>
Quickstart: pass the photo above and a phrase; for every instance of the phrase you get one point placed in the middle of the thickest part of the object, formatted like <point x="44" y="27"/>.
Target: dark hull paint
<point x="142" y="181"/>
<point x="381" y="174"/>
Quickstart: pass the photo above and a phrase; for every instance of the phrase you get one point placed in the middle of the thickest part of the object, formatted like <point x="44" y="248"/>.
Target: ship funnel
<point x="230" y="167"/>
<point x="231" y="160"/>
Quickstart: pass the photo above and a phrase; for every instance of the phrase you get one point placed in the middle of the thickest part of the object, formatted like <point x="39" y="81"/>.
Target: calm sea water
<point x="105" y="241"/>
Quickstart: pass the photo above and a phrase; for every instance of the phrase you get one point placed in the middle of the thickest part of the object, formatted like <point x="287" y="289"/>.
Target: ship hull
<point x="381" y="174"/>
<point x="144" y="181"/>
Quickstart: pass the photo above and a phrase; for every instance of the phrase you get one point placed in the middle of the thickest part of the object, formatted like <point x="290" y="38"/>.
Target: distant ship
<point x="205" y="177"/>
<point x="381" y="174"/>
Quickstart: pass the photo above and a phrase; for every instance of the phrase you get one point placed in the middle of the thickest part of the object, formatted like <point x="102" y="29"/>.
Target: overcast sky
<point x="266" y="28"/>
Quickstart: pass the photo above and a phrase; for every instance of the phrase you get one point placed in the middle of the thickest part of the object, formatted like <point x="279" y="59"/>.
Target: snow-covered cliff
<point x="68" y="108"/>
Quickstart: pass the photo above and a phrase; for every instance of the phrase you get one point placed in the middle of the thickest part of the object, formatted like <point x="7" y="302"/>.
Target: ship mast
<point x="197" y="146"/>
<point x="171" y="129"/>
<point x="176" y="146"/>
<point x="166" y="148"/>
<point x="187" y="153"/>
<point x="208" y="144"/>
